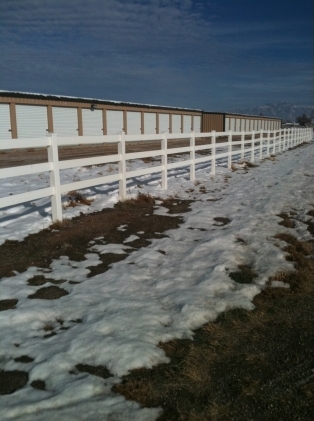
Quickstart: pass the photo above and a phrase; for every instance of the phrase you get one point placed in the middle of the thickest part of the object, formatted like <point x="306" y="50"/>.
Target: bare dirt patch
<point x="221" y="221"/>
<point x="24" y="359"/>
<point x="7" y="304"/>
<point x="49" y="293"/>
<point x="287" y="221"/>
<point x="245" y="275"/>
<point x="99" y="370"/>
<point x="38" y="384"/>
<point x="41" y="248"/>
<point x="10" y="381"/>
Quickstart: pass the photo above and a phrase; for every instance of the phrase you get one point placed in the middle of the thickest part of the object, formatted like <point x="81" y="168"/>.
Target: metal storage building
<point x="34" y="115"/>
<point x="222" y="122"/>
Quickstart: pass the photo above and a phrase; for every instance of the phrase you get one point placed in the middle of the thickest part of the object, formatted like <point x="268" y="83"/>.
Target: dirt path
<point x="28" y="156"/>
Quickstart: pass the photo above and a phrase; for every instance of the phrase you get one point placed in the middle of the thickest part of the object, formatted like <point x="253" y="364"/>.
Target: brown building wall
<point x="212" y="122"/>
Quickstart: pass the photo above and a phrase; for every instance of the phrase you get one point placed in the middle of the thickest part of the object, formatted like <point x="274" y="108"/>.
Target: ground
<point x="245" y="365"/>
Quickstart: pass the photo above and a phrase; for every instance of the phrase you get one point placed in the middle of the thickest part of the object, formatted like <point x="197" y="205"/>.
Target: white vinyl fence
<point x="262" y="143"/>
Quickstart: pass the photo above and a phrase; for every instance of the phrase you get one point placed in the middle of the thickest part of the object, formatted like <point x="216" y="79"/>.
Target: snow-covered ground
<point x="150" y="296"/>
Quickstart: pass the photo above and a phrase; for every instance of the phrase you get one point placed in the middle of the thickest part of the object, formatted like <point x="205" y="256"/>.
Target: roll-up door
<point x="237" y="128"/>
<point x="114" y="122"/>
<point x="232" y="124"/>
<point x="133" y="122"/>
<point x="187" y="124"/>
<point x="31" y="121"/>
<point x="176" y="123"/>
<point x="149" y="123"/>
<point x="5" y="122"/>
<point x="247" y="125"/>
<point x="92" y="122"/>
<point x="227" y="125"/>
<point x="65" y="121"/>
<point x="197" y="124"/>
<point x="164" y="123"/>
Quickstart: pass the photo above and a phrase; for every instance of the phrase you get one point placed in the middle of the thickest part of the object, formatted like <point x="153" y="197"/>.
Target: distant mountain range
<point x="284" y="110"/>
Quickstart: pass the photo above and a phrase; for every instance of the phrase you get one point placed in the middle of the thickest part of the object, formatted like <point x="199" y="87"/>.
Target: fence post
<point x="213" y="151"/>
<point x="252" y="145"/>
<point x="53" y="158"/>
<point x="122" y="166"/>
<point x="268" y="142"/>
<point x="229" y="149"/>
<point x="261" y="140"/>
<point x="192" y="156"/>
<point x="164" y="161"/>
<point x="242" y="145"/>
<point x="284" y="139"/>
<point x="280" y="140"/>
<point x="274" y="143"/>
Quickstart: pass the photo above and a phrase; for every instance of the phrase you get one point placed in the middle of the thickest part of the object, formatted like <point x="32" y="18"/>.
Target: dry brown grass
<point x="59" y="225"/>
<point x="141" y="198"/>
<point x="287" y="221"/>
<point x="76" y="199"/>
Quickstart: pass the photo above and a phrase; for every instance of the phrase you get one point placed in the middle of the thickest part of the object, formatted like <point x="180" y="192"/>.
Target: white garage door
<point x="114" y="122"/>
<point x="164" y="123"/>
<point x="65" y="121"/>
<point x="197" y="123"/>
<point x="133" y="122"/>
<point x="92" y="122"/>
<point x="247" y="125"/>
<point x="5" y="123"/>
<point x="232" y="124"/>
<point x="237" y="128"/>
<point x="227" y="124"/>
<point x="149" y="123"/>
<point x="187" y="123"/>
<point x="176" y="123"/>
<point x="31" y="121"/>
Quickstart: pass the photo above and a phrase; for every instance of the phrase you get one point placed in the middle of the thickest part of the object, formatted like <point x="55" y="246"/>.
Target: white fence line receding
<point x="262" y="143"/>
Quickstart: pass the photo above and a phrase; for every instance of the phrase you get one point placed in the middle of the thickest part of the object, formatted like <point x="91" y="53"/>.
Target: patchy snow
<point x="150" y="296"/>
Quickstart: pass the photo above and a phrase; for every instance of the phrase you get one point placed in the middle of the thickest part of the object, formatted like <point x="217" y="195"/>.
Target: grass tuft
<point x="141" y="198"/>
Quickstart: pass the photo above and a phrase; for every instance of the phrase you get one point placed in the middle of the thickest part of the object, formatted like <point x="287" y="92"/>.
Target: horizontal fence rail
<point x="244" y="145"/>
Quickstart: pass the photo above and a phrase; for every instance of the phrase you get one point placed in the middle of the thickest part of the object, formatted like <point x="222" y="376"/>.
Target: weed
<point x="244" y="276"/>
<point x="59" y="225"/>
<point x="141" y="198"/>
<point x="287" y="222"/>
<point x="77" y="199"/>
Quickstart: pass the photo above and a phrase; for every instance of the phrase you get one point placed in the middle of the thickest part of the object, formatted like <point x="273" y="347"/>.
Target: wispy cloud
<point x="176" y="52"/>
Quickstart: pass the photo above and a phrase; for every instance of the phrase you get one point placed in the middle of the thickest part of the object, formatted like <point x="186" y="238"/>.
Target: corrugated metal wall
<point x="150" y="123"/>
<point x="213" y="122"/>
<point x="92" y="122"/>
<point x="5" y="123"/>
<point x="75" y="117"/>
<point x="164" y="123"/>
<point x="65" y="122"/>
<point x="114" y="122"/>
<point x="31" y="121"/>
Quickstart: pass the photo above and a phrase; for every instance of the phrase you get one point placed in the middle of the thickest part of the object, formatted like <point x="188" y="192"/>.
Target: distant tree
<point x="303" y="120"/>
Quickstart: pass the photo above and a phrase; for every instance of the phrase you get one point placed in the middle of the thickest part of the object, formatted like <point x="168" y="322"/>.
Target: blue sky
<point x="214" y="55"/>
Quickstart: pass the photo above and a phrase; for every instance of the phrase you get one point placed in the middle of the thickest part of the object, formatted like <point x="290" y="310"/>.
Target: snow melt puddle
<point x="116" y="319"/>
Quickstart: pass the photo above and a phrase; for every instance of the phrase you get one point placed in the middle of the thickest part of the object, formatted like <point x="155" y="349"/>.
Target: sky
<point x="211" y="55"/>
